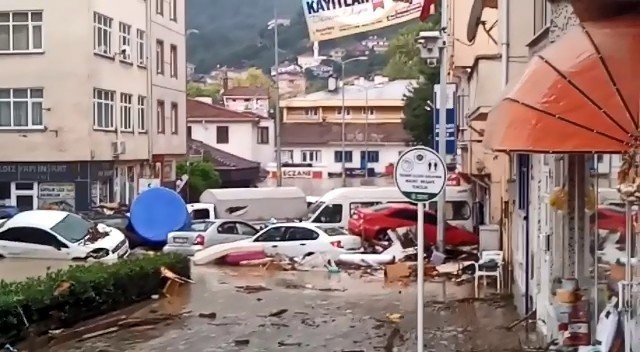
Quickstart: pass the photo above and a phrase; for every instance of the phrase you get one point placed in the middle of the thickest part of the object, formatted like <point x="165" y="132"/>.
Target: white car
<point x="54" y="234"/>
<point x="298" y="239"/>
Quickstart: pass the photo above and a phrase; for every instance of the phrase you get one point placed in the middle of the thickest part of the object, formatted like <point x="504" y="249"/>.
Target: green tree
<point x="418" y="120"/>
<point x="202" y="176"/>
<point x="254" y="78"/>
<point x="403" y="53"/>
<point x="195" y="91"/>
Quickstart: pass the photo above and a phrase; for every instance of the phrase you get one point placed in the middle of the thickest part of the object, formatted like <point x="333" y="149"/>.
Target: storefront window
<point x="454" y="210"/>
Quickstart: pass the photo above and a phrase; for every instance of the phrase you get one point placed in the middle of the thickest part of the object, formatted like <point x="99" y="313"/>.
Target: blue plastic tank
<point x="156" y="212"/>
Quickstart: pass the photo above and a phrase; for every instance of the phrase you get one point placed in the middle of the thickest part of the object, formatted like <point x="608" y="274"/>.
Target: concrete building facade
<point x="75" y="93"/>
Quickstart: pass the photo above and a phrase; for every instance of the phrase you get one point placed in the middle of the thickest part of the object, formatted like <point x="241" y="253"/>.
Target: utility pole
<point x="442" y="117"/>
<point x="277" y="122"/>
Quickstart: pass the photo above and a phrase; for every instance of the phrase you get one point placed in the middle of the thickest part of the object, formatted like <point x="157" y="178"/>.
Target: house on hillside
<point x="291" y="85"/>
<point x="246" y="135"/>
<point x="308" y="60"/>
<point x="374" y="132"/>
<point x="247" y="99"/>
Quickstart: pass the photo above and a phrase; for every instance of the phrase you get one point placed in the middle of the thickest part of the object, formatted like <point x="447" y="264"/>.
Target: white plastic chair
<point x="486" y="257"/>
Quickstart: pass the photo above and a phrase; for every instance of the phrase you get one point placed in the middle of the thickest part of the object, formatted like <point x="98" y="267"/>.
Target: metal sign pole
<point x="442" y="123"/>
<point x="420" y="303"/>
<point x="420" y="175"/>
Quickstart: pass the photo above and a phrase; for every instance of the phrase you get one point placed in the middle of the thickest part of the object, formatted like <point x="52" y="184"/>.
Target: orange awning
<point x="579" y="95"/>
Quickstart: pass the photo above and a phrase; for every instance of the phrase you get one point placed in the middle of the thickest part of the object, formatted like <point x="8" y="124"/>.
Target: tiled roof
<point x="325" y="133"/>
<point x="246" y="92"/>
<point x="199" y="110"/>
<point x="221" y="159"/>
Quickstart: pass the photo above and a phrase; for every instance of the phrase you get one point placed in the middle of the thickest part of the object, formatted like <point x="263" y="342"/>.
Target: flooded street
<point x="312" y="311"/>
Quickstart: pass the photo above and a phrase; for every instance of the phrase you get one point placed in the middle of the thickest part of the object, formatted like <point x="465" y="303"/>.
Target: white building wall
<point x="388" y="154"/>
<point x="259" y="106"/>
<point x="243" y="139"/>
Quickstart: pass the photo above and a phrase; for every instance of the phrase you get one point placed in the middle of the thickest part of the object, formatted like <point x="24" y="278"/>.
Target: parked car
<point x="298" y="239"/>
<point x="55" y="234"/>
<point x="207" y="233"/>
<point x="374" y="222"/>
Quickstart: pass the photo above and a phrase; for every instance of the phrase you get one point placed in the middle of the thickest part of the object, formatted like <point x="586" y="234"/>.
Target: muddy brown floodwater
<point x="313" y="311"/>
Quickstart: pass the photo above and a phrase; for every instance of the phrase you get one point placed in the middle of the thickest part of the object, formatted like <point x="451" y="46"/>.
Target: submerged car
<point x="374" y="222"/>
<point x="206" y="233"/>
<point x="54" y="234"/>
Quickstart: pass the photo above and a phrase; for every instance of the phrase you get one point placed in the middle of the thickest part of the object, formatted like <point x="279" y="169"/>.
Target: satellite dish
<point x="475" y="20"/>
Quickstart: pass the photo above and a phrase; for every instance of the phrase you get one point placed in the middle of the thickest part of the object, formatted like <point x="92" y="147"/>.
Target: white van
<point x="337" y="206"/>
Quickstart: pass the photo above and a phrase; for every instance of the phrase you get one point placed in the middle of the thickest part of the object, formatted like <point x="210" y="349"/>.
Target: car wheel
<point x="382" y="236"/>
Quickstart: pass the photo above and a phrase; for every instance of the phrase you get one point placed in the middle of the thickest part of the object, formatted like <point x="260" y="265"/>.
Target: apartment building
<point x="76" y="100"/>
<point x="374" y="135"/>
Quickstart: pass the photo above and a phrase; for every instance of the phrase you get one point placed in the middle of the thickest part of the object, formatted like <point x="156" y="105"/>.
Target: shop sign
<point x="59" y="196"/>
<point x="101" y="170"/>
<point x="297" y="173"/>
<point x="38" y="171"/>
<point x="56" y="190"/>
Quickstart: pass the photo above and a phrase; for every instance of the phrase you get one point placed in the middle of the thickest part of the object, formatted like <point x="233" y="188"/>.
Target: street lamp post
<point x="344" y="169"/>
<point x="277" y="78"/>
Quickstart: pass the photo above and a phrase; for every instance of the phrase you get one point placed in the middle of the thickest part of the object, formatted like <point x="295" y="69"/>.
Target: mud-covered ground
<point x="314" y="311"/>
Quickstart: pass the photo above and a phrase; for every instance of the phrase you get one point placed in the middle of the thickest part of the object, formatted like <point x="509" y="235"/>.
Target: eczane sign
<point x="420" y="174"/>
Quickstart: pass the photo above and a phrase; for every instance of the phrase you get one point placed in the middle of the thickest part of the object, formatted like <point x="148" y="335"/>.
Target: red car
<point x="373" y="223"/>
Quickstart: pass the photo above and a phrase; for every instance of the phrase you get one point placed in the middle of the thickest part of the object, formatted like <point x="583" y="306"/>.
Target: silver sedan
<point x="207" y="233"/>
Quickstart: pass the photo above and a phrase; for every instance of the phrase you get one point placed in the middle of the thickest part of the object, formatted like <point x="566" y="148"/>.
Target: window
<point x="173" y="10"/>
<point x="200" y="214"/>
<point x="72" y="228"/>
<point x="272" y="234"/>
<point x="372" y="113"/>
<point x="311" y="113"/>
<point x="374" y="156"/>
<point x="102" y="34"/>
<point x="126" y="120"/>
<point x="20" y="31"/>
<point x="222" y="134"/>
<point x="21" y="108"/>
<point x="301" y="234"/>
<point x="160" y="57"/>
<point x="246" y="229"/>
<point x="453" y="210"/>
<point x="174" y="118"/>
<point x="311" y="156"/>
<point x="160" y="7"/>
<point x="347" y="112"/>
<point x="263" y="135"/>
<point x="228" y="228"/>
<point x="141" y="41"/>
<point x="330" y="214"/>
<point x="104" y="103"/>
<point x="125" y="42"/>
<point x="200" y="226"/>
<point x="348" y="156"/>
<point x="173" y="61"/>
<point x="32" y="235"/>
<point x="142" y="113"/>
<point x="160" y="116"/>
<point x="286" y="156"/>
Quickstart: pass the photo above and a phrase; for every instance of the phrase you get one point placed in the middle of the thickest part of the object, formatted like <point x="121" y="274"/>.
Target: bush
<point x="94" y="290"/>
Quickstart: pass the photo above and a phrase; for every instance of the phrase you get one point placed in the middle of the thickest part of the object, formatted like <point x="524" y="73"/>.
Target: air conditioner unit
<point x="118" y="148"/>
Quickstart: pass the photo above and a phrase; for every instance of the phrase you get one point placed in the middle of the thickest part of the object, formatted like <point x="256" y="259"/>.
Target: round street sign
<point x="420" y="174"/>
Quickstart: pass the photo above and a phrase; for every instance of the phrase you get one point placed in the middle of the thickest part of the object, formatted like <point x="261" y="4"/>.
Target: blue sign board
<point x="450" y="132"/>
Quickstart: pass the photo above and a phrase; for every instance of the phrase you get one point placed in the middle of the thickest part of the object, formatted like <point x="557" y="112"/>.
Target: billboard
<point x="328" y="19"/>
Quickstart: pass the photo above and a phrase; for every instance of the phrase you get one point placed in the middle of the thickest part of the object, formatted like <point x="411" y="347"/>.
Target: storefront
<point x="66" y="186"/>
<point x="577" y="99"/>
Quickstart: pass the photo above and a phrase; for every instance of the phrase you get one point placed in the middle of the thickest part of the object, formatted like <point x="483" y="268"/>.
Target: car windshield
<point x="72" y="228"/>
<point x="200" y="226"/>
<point x="314" y="209"/>
<point x="334" y="231"/>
